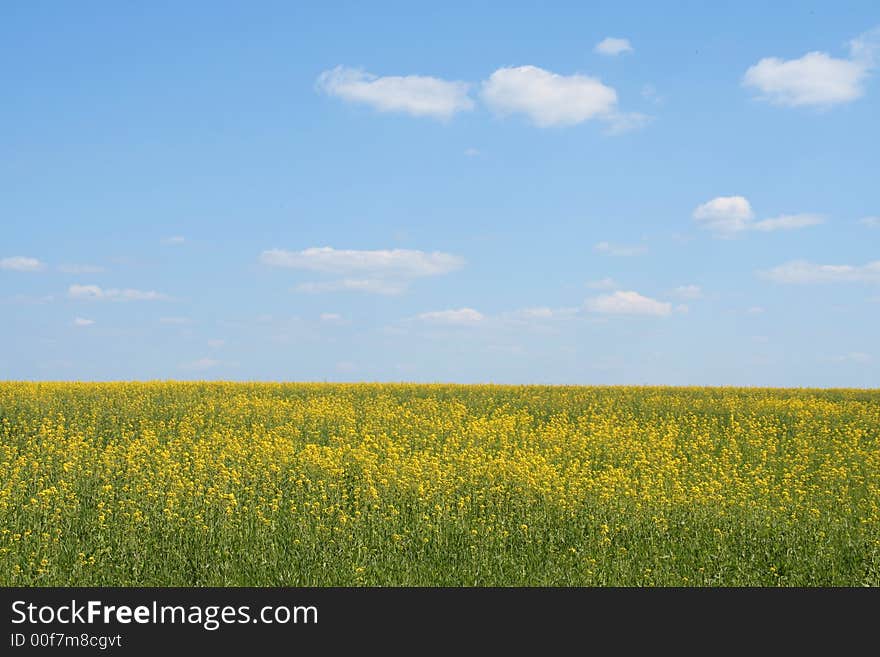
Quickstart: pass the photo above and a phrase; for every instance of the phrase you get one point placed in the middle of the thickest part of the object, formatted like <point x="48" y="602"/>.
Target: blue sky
<point x="594" y="193"/>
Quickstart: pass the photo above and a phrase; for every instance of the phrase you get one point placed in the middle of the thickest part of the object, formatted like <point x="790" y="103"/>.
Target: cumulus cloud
<point x="411" y="94"/>
<point x="21" y="263"/>
<point x="96" y="293"/>
<point x="82" y="321"/>
<point x="727" y="216"/>
<point x="459" y="317"/>
<point x="619" y="250"/>
<point x="549" y="99"/>
<point x="816" y="79"/>
<point x="802" y="271"/>
<point x="611" y="46"/>
<point x="80" y="269"/>
<point x="689" y="292"/>
<point x="628" y="303"/>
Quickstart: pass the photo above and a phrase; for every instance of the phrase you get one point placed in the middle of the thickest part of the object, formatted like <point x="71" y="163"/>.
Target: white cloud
<point x="870" y="222"/>
<point x="788" y="222"/>
<point x="611" y="46"/>
<point x="548" y="99"/>
<point x="331" y="317"/>
<point x="649" y="92"/>
<point x="175" y="240"/>
<point x="80" y="269"/>
<point x="460" y="317"/>
<point x="82" y="321"/>
<point x="96" y="293"/>
<point x="216" y="343"/>
<point x="346" y="366"/>
<point x="394" y="262"/>
<point x="816" y="79"/>
<point x="619" y="250"/>
<point x="412" y="94"/>
<point x="602" y="284"/>
<point x="619" y="123"/>
<point x="727" y="216"/>
<point x="689" y="292"/>
<point x="542" y="313"/>
<point x="537" y="313"/>
<point x="21" y="263"/>
<point x="853" y="357"/>
<point x="380" y="272"/>
<point x="628" y="303"/>
<point x="755" y="310"/>
<point x="801" y="271"/>
<point x="201" y="364"/>
<point x="368" y="285"/>
<point x="472" y="152"/>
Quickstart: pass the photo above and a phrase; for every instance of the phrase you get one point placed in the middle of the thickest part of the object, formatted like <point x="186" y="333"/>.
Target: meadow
<point x="175" y="484"/>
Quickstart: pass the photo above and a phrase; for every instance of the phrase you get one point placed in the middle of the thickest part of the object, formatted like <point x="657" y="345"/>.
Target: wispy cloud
<point x="397" y="262"/>
<point x="380" y="271"/>
<point x="858" y="357"/>
<point x="459" y="317"/>
<point x="175" y="240"/>
<point x="21" y="263"/>
<point x="96" y="293"/>
<point x="416" y="95"/>
<point x="802" y="271"/>
<point x="80" y="269"/>
<point x="368" y="285"/>
<point x="727" y="216"/>
<point x="82" y="321"/>
<point x="538" y="315"/>
<point x="612" y="46"/>
<point x="870" y="222"/>
<point x="619" y="250"/>
<point x="788" y="222"/>
<point x="602" y="284"/>
<point x="691" y="292"/>
<point x="200" y="364"/>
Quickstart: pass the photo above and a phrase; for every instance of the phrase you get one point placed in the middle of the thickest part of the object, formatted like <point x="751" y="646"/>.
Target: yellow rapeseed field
<point x="171" y="483"/>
